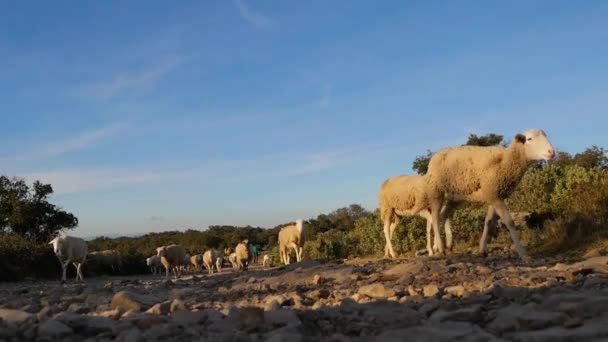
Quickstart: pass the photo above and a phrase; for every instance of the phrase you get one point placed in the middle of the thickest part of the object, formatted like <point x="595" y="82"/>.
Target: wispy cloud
<point x="129" y="80"/>
<point x="325" y="101"/>
<point x="60" y="147"/>
<point x="154" y="218"/>
<point x="252" y="16"/>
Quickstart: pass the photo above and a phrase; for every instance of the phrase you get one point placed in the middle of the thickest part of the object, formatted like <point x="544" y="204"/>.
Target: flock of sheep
<point x="74" y="250"/>
<point x="486" y="175"/>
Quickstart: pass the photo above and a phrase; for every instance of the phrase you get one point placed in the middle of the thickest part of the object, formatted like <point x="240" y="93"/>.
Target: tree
<point x="27" y="212"/>
<point x="591" y="157"/>
<point x="421" y="163"/>
<point x="484" y="140"/>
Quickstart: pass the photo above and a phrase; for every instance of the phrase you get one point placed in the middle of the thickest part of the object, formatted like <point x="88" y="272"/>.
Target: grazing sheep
<point x="196" y="261"/>
<point x="154" y="263"/>
<point x="266" y="260"/>
<point x="232" y="259"/>
<point x="109" y="258"/>
<point x="172" y="257"/>
<point x="486" y="174"/>
<point x="70" y="250"/>
<point x="291" y="237"/>
<point x="213" y="258"/>
<point x="243" y="255"/>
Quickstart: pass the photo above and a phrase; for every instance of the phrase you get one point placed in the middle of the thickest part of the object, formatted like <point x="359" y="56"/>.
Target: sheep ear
<point x="520" y="138"/>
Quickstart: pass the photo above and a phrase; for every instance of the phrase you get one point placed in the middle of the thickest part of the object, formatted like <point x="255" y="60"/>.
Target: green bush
<point x="21" y="258"/>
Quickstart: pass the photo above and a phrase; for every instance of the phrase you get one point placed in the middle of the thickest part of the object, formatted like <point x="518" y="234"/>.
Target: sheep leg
<point x="436" y="219"/>
<point x="429" y="231"/>
<point x="447" y="211"/>
<point x="505" y="216"/>
<point x="299" y="253"/>
<point x="79" y="271"/>
<point x="490" y="221"/>
<point x="387" y="236"/>
<point x="64" y="268"/>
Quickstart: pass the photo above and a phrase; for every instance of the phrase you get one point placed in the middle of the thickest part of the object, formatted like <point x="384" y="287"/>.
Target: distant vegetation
<point x="564" y="203"/>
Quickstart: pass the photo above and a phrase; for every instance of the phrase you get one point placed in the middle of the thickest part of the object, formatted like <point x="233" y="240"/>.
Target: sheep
<point x="291" y="237"/>
<point x="108" y="258"/>
<point x="485" y="174"/>
<point x="185" y="266"/>
<point x="232" y="259"/>
<point x="243" y="255"/>
<point x="197" y="262"/>
<point x="172" y="257"/>
<point x="154" y="263"/>
<point x="213" y="258"/>
<point x="398" y="196"/>
<point x="266" y="260"/>
<point x="70" y="250"/>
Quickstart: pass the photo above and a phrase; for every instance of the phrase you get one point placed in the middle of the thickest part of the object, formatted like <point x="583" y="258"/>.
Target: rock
<point x="456" y="291"/>
<point x="54" y="329"/>
<point x="177" y="304"/>
<point x="16" y="316"/>
<point x="411" y="291"/>
<point x="318" y="294"/>
<point x="470" y="314"/>
<point x="318" y="279"/>
<point x="594" y="282"/>
<point x="251" y="317"/>
<point x="112" y="314"/>
<point x="428" y="307"/>
<point x="595" y="252"/>
<point x="516" y="317"/>
<point x="79" y="308"/>
<point x="130" y="301"/>
<point x="133" y="335"/>
<point x="282" y="317"/>
<point x="430" y="290"/>
<point x="572" y="323"/>
<point x="483" y="270"/>
<point x="272" y="305"/>
<point x="185" y="317"/>
<point x="376" y="291"/>
<point x="397" y="271"/>
<point x="160" y="309"/>
<point x="510" y="292"/>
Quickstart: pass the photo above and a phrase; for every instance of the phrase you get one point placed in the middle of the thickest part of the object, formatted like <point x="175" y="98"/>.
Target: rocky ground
<point x="458" y="298"/>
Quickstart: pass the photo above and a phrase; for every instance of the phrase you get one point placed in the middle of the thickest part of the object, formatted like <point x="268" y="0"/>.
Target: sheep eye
<point x="529" y="139"/>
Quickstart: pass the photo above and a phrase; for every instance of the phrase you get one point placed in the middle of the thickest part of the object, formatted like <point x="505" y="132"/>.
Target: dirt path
<point x="445" y="299"/>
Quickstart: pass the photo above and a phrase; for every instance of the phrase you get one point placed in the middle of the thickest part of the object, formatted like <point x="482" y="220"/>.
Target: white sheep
<point x="196" y="261"/>
<point x="232" y="259"/>
<point x="486" y="174"/>
<point x="213" y="258"/>
<point x="154" y="263"/>
<point x="70" y="250"/>
<point x="172" y="257"/>
<point x="107" y="258"/>
<point x="243" y="255"/>
<point x="291" y="237"/>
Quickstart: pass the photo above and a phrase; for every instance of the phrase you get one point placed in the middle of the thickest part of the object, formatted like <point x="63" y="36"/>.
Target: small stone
<point x="79" y="308"/>
<point x="177" y="304"/>
<point x="595" y="252"/>
<point x="376" y="291"/>
<point x="251" y="280"/>
<point x="15" y="316"/>
<point x="282" y="317"/>
<point x="132" y="335"/>
<point x="251" y="316"/>
<point x="318" y="294"/>
<point x="483" y="270"/>
<point x="318" y="279"/>
<point x="430" y="290"/>
<point x="129" y="301"/>
<point x="272" y="305"/>
<point x="160" y="309"/>
<point x="53" y="328"/>
<point x="572" y="323"/>
<point x="456" y="291"/>
<point x="411" y="291"/>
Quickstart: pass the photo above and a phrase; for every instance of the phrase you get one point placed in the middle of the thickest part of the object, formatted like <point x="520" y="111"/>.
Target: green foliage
<point x="21" y="258"/>
<point x="28" y="213"/>
<point x="484" y="140"/>
<point x="421" y="163"/>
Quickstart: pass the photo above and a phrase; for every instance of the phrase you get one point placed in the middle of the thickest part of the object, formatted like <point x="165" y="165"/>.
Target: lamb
<point x="487" y="174"/>
<point x="197" y="262"/>
<point x="70" y="250"/>
<point x="154" y="263"/>
<point x="243" y="255"/>
<point x="213" y="258"/>
<point x="266" y="260"/>
<point x="398" y="196"/>
<point x="172" y="257"/>
<point x="291" y="237"/>
<point x="108" y="258"/>
<point x="232" y="259"/>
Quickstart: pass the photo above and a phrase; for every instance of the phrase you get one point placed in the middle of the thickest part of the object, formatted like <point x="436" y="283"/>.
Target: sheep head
<point x="536" y="144"/>
<point x="299" y="224"/>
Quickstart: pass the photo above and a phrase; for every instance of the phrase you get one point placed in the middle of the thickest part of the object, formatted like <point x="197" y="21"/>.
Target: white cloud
<point x="252" y="16"/>
<point x="128" y="81"/>
<point x="155" y="218"/>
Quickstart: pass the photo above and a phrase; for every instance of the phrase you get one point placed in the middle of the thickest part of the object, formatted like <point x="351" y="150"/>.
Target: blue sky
<point x="147" y="115"/>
